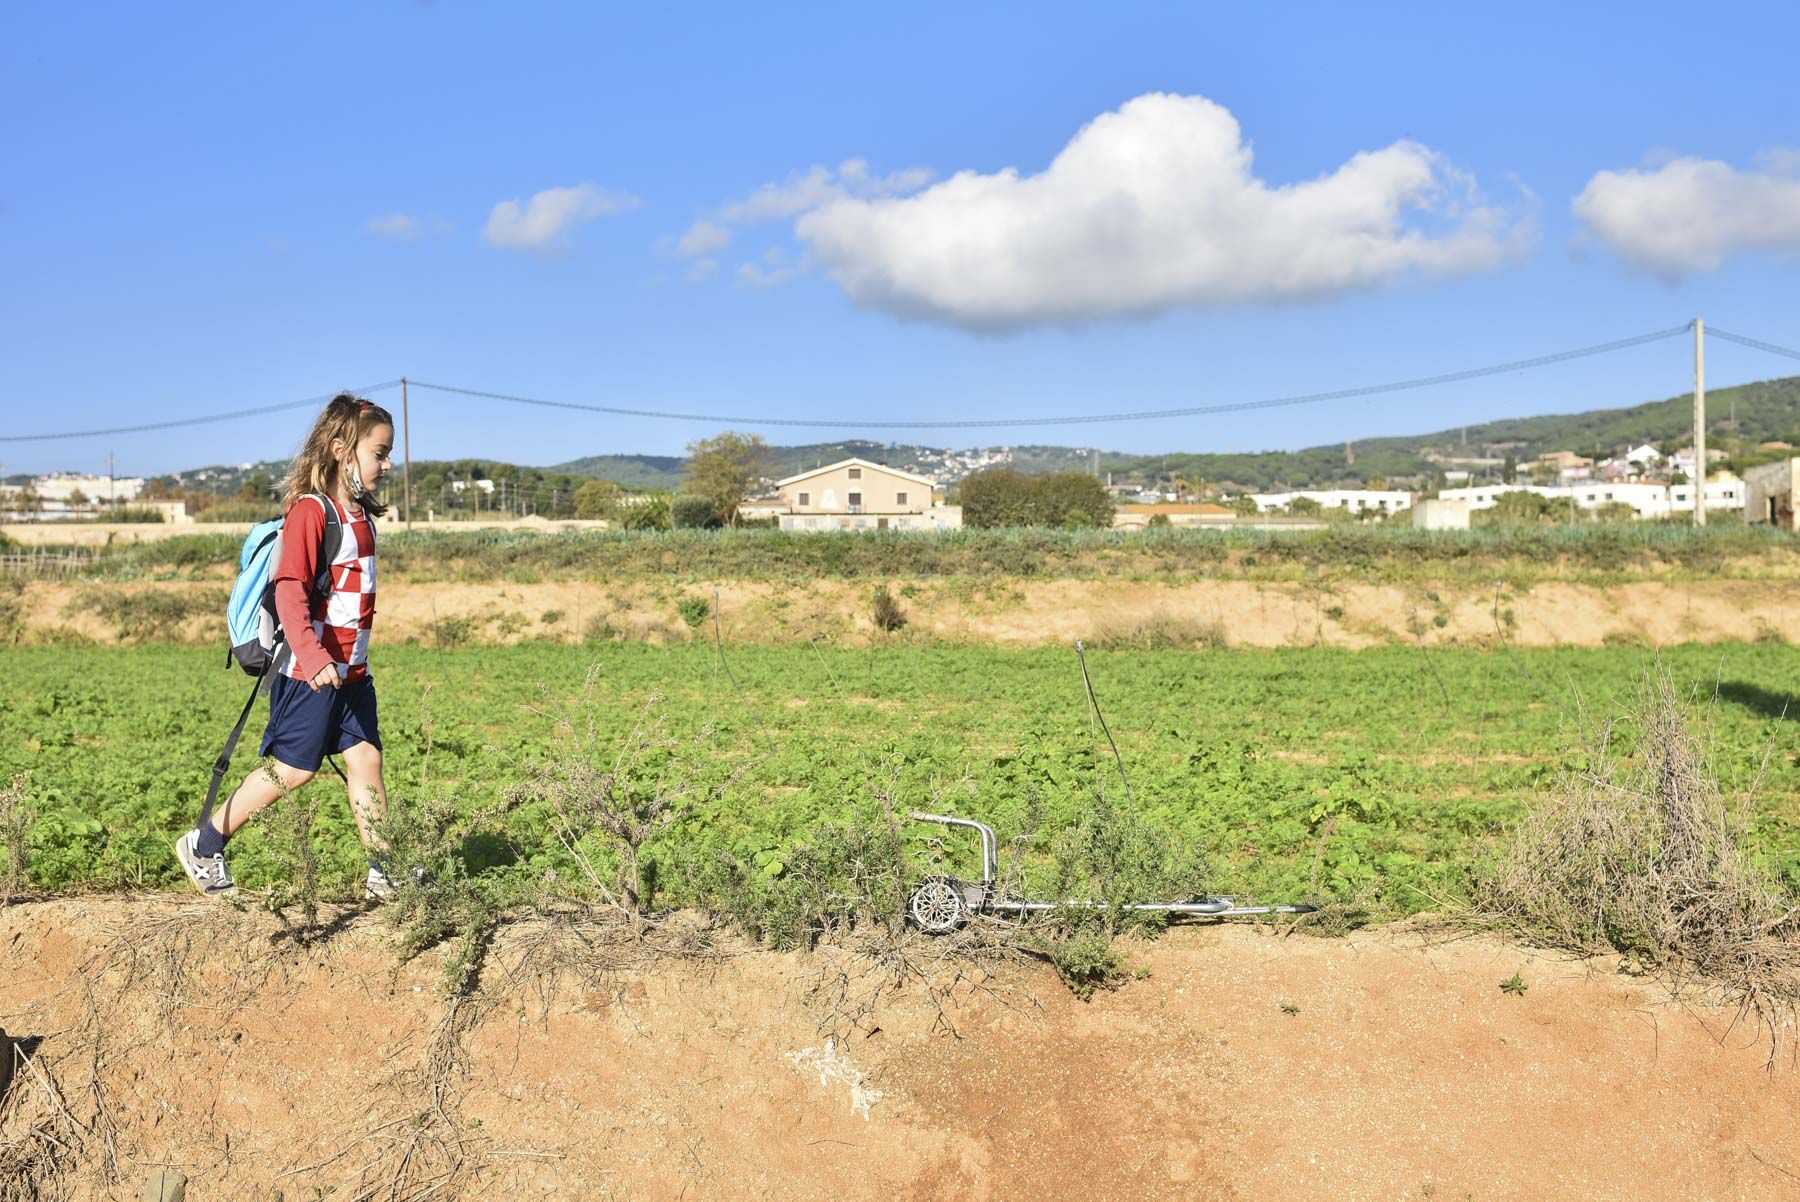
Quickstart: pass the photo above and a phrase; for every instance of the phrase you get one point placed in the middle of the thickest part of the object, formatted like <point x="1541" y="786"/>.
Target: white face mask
<point x="357" y="490"/>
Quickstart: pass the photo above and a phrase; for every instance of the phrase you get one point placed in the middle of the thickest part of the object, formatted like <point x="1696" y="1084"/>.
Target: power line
<point x="964" y="423"/>
<point x="1757" y="344"/>
<point x="196" y="421"/>
<point x="1083" y="419"/>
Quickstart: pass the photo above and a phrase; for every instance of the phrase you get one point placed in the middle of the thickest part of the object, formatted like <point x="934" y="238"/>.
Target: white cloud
<point x="799" y="193"/>
<point x="1685" y="215"/>
<point x="703" y="238"/>
<point x="404" y="227"/>
<point x="543" y="223"/>
<point x="817" y="186"/>
<point x="777" y="268"/>
<point x="1148" y="208"/>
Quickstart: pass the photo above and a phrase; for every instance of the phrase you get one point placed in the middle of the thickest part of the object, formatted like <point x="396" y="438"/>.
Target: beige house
<point x="855" y="494"/>
<point x="1769" y="492"/>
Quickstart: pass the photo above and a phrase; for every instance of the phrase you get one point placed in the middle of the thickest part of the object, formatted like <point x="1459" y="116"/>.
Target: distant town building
<point x="1647" y="500"/>
<point x="1356" y="500"/>
<point x="1437" y="513"/>
<point x="1769" y="492"/>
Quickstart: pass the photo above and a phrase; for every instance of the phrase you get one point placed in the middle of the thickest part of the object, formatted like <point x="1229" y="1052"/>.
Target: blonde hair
<point x="315" y="468"/>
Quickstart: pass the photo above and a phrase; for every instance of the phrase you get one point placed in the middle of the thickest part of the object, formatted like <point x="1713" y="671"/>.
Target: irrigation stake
<point x="1095" y="702"/>
<point x="719" y="646"/>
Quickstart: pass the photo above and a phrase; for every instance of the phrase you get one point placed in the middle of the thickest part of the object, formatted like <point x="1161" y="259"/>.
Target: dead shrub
<point x="1638" y="853"/>
<point x="608" y="803"/>
<point x="885" y="611"/>
<point x="15" y="822"/>
<point x="1161" y="631"/>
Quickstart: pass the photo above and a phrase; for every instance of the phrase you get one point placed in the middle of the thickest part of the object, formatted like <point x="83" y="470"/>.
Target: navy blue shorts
<point x="305" y="727"/>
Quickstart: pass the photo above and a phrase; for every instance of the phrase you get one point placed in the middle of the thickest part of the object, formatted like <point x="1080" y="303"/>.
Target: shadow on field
<point x="1763" y="701"/>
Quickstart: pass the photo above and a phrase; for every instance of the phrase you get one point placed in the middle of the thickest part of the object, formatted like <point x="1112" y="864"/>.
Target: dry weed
<point x="1639" y="854"/>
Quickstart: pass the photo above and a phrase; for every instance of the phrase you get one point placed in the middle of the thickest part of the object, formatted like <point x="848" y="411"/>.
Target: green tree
<point x="597" y="499"/>
<point x="691" y="511"/>
<point x="28" y="501"/>
<point x="996" y="497"/>
<point x="78" y="499"/>
<point x="651" y="514"/>
<point x="256" y="488"/>
<point x="724" y="469"/>
<point x="1509" y="471"/>
<point x="1004" y="497"/>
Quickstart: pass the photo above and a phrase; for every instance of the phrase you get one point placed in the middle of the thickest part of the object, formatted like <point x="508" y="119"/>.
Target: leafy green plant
<point x="1514" y="985"/>
<point x="694" y="610"/>
<point x="1086" y="962"/>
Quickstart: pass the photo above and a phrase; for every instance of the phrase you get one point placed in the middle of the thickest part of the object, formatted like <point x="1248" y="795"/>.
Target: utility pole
<point x="1349" y="454"/>
<point x="406" y="441"/>
<point x="1699" y="422"/>
<point x="111" y="499"/>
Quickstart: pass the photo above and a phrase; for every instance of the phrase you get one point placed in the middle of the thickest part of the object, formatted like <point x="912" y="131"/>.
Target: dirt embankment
<point x="1239" y="1065"/>
<point x="1014" y="612"/>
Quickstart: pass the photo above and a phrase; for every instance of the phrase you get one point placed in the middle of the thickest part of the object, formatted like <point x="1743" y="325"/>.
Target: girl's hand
<point x="327" y="676"/>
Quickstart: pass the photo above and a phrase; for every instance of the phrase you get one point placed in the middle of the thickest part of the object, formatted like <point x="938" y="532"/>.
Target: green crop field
<point x="1376" y="774"/>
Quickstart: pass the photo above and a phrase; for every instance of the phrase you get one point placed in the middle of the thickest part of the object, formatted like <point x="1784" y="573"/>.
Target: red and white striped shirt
<point x="332" y="626"/>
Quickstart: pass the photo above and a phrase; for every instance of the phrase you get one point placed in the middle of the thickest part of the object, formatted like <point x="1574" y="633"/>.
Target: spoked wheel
<point x="937" y="906"/>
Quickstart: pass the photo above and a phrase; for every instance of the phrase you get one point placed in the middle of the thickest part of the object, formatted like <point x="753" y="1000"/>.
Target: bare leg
<point x="259" y="789"/>
<point x="368" y="794"/>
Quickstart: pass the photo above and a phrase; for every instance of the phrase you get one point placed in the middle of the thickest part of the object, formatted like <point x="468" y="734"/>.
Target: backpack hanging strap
<point x="222" y="765"/>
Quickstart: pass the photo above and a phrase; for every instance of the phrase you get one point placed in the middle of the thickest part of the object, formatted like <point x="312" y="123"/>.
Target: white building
<point x="1646" y="500"/>
<point x="60" y="486"/>
<point x="1356" y="500"/>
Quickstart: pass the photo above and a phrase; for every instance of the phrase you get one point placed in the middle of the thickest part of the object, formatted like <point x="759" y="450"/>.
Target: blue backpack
<point x="258" y="644"/>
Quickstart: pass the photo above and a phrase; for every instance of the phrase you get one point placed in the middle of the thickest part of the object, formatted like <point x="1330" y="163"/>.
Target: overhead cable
<point x="1311" y="398"/>
<point x="1757" y="344"/>
<point x="172" y="423"/>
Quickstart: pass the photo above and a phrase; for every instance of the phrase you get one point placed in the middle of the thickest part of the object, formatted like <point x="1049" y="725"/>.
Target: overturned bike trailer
<point x="941" y="904"/>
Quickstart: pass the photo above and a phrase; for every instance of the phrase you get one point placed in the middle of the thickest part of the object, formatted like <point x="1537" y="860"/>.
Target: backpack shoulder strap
<point x="331" y="538"/>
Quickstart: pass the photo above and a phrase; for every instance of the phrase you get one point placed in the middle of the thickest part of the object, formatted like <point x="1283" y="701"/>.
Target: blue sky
<point x="206" y="208"/>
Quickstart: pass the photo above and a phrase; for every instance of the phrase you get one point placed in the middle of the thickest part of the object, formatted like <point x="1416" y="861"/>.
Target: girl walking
<point x="321" y="700"/>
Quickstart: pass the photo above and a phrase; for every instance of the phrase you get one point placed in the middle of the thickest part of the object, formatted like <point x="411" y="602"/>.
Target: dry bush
<point x="885" y="611"/>
<point x="1161" y="631"/>
<point x="609" y="802"/>
<point x="15" y="821"/>
<point x="1638" y="853"/>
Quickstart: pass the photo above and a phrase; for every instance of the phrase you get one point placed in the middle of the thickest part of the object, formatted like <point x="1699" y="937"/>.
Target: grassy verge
<point x="1588" y="552"/>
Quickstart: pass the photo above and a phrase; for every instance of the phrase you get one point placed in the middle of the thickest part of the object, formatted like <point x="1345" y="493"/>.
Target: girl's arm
<point x="294" y="577"/>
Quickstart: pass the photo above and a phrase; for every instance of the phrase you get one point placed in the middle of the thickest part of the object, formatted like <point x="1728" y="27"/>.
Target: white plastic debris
<point x="833" y="1064"/>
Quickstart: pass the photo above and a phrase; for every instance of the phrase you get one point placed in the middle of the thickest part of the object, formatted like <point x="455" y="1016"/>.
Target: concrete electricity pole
<point x="406" y="442"/>
<point x="1699" y="422"/>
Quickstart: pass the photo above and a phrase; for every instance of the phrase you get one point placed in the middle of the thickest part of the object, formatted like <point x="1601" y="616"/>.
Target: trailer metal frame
<point x="939" y="905"/>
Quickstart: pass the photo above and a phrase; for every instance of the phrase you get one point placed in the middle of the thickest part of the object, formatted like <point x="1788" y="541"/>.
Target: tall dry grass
<point x="1639" y="853"/>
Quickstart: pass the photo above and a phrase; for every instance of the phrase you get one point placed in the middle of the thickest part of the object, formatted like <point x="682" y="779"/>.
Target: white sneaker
<point x="208" y="873"/>
<point x="378" y="887"/>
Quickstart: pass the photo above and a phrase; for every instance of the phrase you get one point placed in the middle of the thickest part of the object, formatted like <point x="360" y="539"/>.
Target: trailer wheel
<point x="937" y="906"/>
